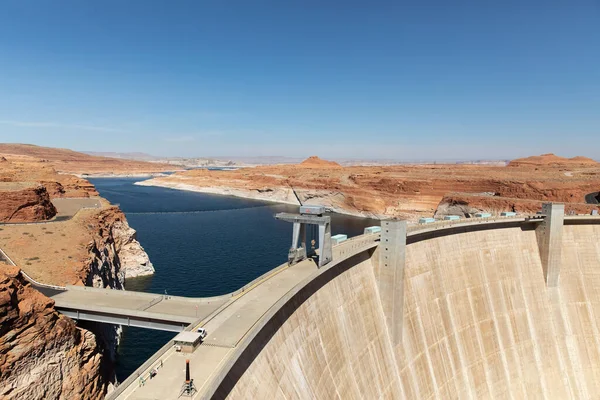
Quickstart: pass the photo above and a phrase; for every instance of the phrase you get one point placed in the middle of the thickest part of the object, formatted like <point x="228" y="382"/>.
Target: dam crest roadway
<point x="241" y="324"/>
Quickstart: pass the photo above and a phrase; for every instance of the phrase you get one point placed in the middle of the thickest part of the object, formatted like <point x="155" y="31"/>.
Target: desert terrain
<point x="72" y="162"/>
<point x="407" y="191"/>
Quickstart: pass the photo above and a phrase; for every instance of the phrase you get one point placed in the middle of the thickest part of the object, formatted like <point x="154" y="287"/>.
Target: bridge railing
<point x="39" y="284"/>
<point x="140" y="371"/>
<point x="7" y="258"/>
<point x="443" y="224"/>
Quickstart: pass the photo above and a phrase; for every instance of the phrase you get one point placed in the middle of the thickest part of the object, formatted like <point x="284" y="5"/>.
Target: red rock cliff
<point x="26" y="205"/>
<point x="43" y="355"/>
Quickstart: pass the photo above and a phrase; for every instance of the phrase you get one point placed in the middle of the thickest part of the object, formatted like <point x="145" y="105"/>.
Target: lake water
<point x="200" y="245"/>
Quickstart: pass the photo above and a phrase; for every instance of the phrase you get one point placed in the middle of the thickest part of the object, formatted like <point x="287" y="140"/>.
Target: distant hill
<point x="316" y="162"/>
<point x="69" y="161"/>
<point x="552" y="160"/>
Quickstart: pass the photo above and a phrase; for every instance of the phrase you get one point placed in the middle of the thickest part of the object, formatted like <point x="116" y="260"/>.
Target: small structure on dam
<point x="187" y="341"/>
<point x="309" y="215"/>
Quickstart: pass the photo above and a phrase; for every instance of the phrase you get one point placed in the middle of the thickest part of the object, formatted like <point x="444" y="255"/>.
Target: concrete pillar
<point x="390" y="276"/>
<point x="303" y="237"/>
<point x="297" y="253"/>
<point x="296" y="234"/>
<point x="325" y="247"/>
<point x="549" y="237"/>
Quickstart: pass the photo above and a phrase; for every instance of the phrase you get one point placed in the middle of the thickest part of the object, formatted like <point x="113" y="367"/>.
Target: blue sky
<point x="342" y="79"/>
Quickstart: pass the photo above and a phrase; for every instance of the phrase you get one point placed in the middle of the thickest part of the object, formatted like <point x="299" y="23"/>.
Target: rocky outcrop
<point x="316" y="162"/>
<point x="29" y="204"/>
<point x="44" y="355"/>
<point x="70" y="186"/>
<point x="114" y="252"/>
<point x="133" y="257"/>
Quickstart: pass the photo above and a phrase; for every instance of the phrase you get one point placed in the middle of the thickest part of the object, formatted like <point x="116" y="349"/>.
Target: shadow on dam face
<point x="478" y="321"/>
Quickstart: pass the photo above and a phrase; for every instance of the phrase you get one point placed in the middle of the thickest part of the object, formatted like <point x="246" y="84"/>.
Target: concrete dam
<point x="473" y="312"/>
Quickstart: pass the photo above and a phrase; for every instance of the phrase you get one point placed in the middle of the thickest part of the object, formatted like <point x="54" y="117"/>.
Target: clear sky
<point x="342" y="79"/>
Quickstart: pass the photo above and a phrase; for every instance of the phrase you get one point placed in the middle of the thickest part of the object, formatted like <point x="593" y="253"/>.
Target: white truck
<point x="202" y="333"/>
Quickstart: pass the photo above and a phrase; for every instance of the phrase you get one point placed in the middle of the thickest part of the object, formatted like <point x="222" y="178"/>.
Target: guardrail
<point x="7" y="258"/>
<point x="151" y="303"/>
<point x="443" y="224"/>
<point x="39" y="284"/>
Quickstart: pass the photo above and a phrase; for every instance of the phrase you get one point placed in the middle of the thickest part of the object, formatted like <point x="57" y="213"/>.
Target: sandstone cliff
<point x="113" y="254"/>
<point x="25" y="204"/>
<point x="44" y="355"/>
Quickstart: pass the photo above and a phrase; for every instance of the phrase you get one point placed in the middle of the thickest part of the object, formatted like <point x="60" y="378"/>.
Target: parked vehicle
<point x="202" y="332"/>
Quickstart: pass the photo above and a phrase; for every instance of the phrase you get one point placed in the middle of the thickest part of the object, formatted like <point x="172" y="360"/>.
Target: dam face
<point x="478" y="322"/>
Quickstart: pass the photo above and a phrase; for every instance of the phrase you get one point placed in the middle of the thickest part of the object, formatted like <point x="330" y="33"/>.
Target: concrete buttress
<point x="390" y="275"/>
<point x="549" y="237"/>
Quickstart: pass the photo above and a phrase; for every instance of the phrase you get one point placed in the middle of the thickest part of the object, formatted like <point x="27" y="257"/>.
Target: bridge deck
<point x="134" y="308"/>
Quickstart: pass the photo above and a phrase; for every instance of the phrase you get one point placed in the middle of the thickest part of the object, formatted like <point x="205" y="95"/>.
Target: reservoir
<point x="201" y="245"/>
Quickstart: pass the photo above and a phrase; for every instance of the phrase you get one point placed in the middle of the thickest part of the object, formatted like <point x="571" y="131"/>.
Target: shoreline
<point x="246" y="194"/>
<point x="123" y="175"/>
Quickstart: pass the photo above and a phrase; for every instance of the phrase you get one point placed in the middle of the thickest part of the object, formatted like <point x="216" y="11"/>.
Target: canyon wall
<point x="44" y="355"/>
<point x="114" y="253"/>
<point x="478" y="322"/>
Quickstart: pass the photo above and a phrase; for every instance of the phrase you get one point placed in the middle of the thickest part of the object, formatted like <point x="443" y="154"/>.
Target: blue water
<point x="200" y="245"/>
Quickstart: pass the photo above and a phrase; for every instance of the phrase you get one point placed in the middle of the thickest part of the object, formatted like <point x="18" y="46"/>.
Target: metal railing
<point x="39" y="284"/>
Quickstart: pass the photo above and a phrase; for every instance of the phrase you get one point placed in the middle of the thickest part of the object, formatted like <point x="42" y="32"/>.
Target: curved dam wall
<point x="478" y="322"/>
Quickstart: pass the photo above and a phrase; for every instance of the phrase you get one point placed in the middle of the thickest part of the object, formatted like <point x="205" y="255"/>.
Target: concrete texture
<point x="479" y="322"/>
<point x="389" y="274"/>
<point x="549" y="235"/>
